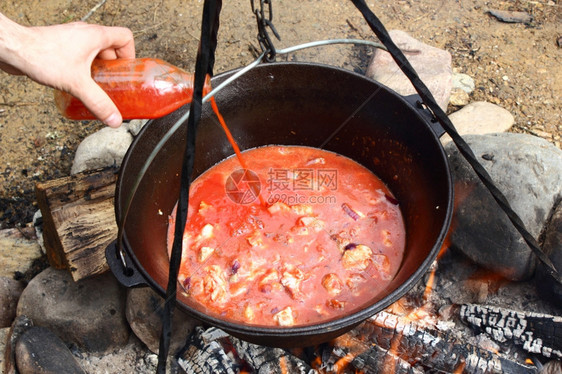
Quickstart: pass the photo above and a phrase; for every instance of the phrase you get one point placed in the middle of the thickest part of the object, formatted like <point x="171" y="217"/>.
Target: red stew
<point x="329" y="238"/>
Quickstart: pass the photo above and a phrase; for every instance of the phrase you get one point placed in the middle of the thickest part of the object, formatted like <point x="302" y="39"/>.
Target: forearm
<point x="11" y="42"/>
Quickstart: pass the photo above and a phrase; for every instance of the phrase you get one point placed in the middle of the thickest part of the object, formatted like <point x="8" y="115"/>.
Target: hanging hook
<point x="264" y="17"/>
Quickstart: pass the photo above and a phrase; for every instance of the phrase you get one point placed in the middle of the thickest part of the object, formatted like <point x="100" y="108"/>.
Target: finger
<point x="120" y="40"/>
<point x="101" y="106"/>
<point x="107" y="54"/>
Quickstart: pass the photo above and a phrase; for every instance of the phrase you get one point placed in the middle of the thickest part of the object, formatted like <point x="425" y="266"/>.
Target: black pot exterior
<point x="296" y="104"/>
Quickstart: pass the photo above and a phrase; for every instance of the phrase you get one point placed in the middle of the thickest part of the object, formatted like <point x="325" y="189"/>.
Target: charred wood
<point x="534" y="332"/>
<point x="349" y="355"/>
<point x="204" y="354"/>
<point x="433" y="349"/>
<point x="214" y="351"/>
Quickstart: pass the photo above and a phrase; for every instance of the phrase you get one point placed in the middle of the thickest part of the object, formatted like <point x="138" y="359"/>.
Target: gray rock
<point x="546" y="285"/>
<point x="480" y="118"/>
<point x="3" y="339"/>
<point x="144" y="314"/>
<point x="18" y="250"/>
<point x="10" y="291"/>
<point x="19" y="327"/>
<point x="135" y="126"/>
<point x="106" y="147"/>
<point x="39" y="351"/>
<point x="89" y="313"/>
<point x="528" y="170"/>
<point x="433" y="66"/>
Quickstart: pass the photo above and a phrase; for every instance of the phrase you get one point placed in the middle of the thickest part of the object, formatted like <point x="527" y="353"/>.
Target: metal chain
<point x="264" y="18"/>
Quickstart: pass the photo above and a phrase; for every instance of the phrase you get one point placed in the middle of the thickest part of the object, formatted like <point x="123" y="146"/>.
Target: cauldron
<point x="292" y="104"/>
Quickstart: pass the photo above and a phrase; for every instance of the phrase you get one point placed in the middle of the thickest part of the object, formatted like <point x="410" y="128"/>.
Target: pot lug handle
<point x="126" y="275"/>
<point x="427" y="115"/>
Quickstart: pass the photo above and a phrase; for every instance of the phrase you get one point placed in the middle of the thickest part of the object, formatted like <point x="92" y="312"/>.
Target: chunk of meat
<point x="206" y="232"/>
<point x="278" y="207"/>
<point x="300" y="230"/>
<point x="302" y="209"/>
<point x="382" y="264"/>
<point x="357" y="258"/>
<point x="249" y="314"/>
<point x="205" y="253"/>
<point x="386" y="238"/>
<point x="255" y="239"/>
<point x="312" y="222"/>
<point x="291" y="279"/>
<point x="285" y="317"/>
<point x="269" y="282"/>
<point x="203" y="208"/>
<point x="215" y="284"/>
<point x="336" y="304"/>
<point x="342" y="239"/>
<point x="332" y="283"/>
<point x="354" y="281"/>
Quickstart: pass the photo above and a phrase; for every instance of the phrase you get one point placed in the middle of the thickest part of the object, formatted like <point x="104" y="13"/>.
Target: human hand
<point x="60" y="56"/>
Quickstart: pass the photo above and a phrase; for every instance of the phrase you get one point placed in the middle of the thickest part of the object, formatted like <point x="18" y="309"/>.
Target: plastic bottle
<point x="142" y="88"/>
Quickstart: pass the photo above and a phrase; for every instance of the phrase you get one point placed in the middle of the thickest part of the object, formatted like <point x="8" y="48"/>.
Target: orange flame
<point x="460" y="369"/>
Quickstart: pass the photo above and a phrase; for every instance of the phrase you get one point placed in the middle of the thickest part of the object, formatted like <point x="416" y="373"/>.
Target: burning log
<point x="534" y="332"/>
<point x="432" y="349"/>
<point x="347" y="354"/>
<point x="214" y="351"/>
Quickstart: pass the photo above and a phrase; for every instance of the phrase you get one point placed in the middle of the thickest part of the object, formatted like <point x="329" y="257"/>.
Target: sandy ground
<point x="516" y="66"/>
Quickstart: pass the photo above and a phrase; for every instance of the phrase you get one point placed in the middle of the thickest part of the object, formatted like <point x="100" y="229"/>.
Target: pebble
<point x="135" y="126"/>
<point x="104" y="148"/>
<point x="18" y="250"/>
<point x="528" y="170"/>
<point x="480" y="118"/>
<point x="144" y="314"/>
<point x="511" y="16"/>
<point x="40" y="351"/>
<point x="433" y="66"/>
<point x="464" y="82"/>
<point x="89" y="313"/>
<point x="459" y="97"/>
<point x="10" y="291"/>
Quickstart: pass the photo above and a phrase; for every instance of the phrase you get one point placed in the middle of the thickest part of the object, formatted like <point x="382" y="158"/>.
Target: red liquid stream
<point x="234" y="145"/>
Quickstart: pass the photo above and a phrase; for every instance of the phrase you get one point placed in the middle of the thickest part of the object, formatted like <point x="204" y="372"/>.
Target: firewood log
<point x="433" y="349"/>
<point x="534" y="332"/>
<point x="78" y="220"/>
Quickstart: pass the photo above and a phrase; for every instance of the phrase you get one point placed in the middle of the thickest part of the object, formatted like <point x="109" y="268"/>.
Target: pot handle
<point x="416" y="101"/>
<point x="126" y="275"/>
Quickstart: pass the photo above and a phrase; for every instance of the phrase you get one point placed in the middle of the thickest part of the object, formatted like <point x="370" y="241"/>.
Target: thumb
<point x="99" y="103"/>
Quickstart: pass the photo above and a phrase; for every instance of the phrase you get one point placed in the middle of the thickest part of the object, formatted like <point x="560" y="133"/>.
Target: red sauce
<point x="328" y="239"/>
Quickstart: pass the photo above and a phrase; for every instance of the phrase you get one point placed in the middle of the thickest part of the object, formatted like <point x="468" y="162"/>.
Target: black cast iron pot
<point x="293" y="104"/>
